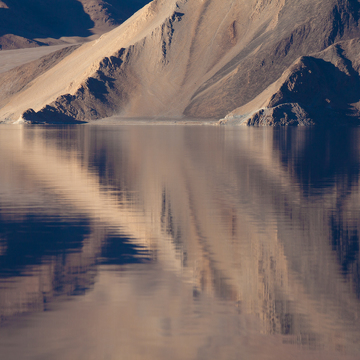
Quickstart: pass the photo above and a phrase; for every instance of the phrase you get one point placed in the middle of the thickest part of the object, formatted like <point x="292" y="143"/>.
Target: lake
<point x="179" y="242"/>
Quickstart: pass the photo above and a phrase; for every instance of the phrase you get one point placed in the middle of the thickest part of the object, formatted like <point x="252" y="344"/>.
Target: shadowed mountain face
<point x="274" y="62"/>
<point x="318" y="89"/>
<point x="23" y="21"/>
<point x="41" y="18"/>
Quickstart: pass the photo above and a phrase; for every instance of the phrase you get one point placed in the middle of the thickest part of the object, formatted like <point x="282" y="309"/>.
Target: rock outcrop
<point x="318" y="89"/>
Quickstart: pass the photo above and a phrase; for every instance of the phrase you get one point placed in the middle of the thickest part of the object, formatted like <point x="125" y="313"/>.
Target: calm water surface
<point x="171" y="242"/>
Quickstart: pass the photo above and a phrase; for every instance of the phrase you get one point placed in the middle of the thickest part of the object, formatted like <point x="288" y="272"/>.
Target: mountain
<point x="323" y="88"/>
<point x="31" y="23"/>
<point x="256" y="62"/>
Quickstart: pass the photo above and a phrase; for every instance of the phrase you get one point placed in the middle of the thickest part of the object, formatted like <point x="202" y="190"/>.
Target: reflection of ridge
<point x="260" y="191"/>
<point x="319" y="156"/>
<point x="118" y="250"/>
<point x="43" y="169"/>
<point x="207" y="277"/>
<point x="225" y="204"/>
<point x="54" y="257"/>
<point x="32" y="239"/>
<point x="208" y="273"/>
<point x="345" y="241"/>
<point x="64" y="273"/>
<point x="335" y="169"/>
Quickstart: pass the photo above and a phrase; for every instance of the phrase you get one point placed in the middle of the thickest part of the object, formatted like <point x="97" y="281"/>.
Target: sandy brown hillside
<point x="205" y="59"/>
<point x="30" y="23"/>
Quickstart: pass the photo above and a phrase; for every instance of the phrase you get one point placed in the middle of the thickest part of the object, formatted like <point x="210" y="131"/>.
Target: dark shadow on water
<point x="119" y="251"/>
<point x="35" y="239"/>
<point x="320" y="157"/>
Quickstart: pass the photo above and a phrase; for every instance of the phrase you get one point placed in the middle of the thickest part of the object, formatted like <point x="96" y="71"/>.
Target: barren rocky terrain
<point x="252" y="62"/>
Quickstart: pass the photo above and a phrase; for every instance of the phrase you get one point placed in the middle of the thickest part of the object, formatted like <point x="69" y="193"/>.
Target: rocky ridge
<point x="318" y="89"/>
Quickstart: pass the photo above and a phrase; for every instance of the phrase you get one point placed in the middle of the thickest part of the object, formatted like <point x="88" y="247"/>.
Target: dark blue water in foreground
<point x="181" y="242"/>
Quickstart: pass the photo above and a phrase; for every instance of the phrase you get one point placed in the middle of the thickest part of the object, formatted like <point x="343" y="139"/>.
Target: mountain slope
<point x="192" y="58"/>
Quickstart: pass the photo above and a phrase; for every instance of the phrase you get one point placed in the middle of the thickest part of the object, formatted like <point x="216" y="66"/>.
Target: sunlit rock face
<point x="243" y="217"/>
<point x="204" y="59"/>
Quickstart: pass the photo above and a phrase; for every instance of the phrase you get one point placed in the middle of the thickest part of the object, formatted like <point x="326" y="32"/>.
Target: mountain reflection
<point x="320" y="158"/>
<point x="326" y="161"/>
<point x="264" y="220"/>
<point x="28" y="241"/>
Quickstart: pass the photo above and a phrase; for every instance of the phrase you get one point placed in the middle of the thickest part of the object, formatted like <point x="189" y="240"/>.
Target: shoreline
<point x="151" y="121"/>
<point x="117" y="121"/>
